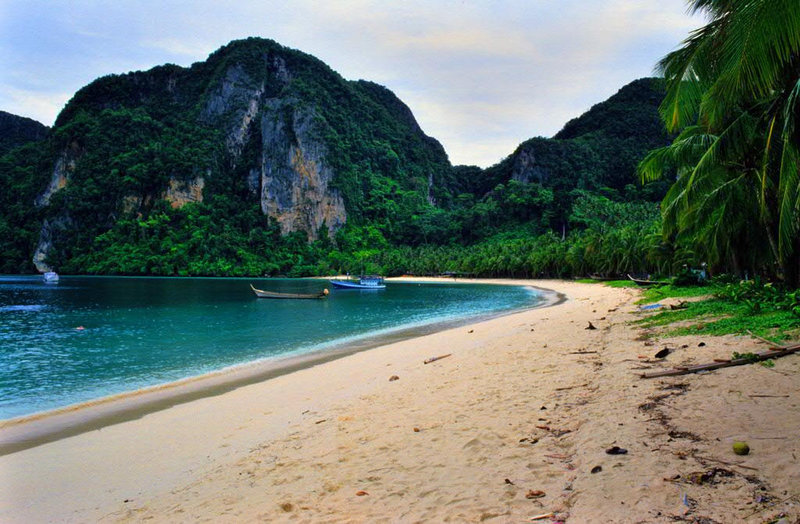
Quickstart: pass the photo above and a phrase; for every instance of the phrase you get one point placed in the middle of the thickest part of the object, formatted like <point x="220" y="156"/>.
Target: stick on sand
<point x="758" y="357"/>
<point x="434" y="359"/>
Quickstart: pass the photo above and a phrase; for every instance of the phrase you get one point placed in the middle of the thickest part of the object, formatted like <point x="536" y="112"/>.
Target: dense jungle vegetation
<point x="701" y="166"/>
<point x="570" y="212"/>
<point x="18" y="131"/>
<point x="732" y="98"/>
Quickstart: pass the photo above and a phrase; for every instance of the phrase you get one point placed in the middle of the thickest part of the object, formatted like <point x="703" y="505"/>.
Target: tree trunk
<point x="775" y="254"/>
<point x="735" y="264"/>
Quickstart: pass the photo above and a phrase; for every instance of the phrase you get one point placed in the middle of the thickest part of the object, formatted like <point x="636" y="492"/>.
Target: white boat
<point x="364" y="282"/>
<point x="51" y="277"/>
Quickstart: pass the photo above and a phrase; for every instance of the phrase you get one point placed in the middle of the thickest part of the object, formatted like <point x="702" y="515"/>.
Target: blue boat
<point x="363" y="282"/>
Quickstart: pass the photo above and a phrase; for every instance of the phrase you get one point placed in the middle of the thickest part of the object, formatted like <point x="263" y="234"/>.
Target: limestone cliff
<point x="305" y="143"/>
<point x="51" y="227"/>
<point x="181" y="192"/>
<point x="64" y="167"/>
<point x="294" y="175"/>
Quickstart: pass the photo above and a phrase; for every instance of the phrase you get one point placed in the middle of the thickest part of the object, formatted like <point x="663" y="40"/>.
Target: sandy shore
<point x="508" y="427"/>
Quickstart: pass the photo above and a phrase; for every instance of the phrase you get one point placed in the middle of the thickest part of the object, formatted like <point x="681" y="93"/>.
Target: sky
<point x="479" y="76"/>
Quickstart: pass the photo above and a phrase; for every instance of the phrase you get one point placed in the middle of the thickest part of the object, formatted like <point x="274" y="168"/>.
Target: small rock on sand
<point x="534" y="494"/>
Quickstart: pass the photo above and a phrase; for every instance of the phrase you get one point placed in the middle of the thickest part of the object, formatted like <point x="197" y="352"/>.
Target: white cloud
<point x="39" y="106"/>
<point x="184" y="48"/>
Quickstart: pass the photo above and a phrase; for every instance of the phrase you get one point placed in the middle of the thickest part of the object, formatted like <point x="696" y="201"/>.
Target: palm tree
<point x="732" y="95"/>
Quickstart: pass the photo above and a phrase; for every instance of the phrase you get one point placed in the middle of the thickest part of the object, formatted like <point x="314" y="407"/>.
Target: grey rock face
<point x="50" y="229"/>
<point x="58" y="180"/>
<point x="295" y="178"/>
<point x="181" y="192"/>
<point x="234" y="105"/>
<point x="291" y="176"/>
<point x="526" y="169"/>
<point x="64" y="167"/>
<point x="430" y="198"/>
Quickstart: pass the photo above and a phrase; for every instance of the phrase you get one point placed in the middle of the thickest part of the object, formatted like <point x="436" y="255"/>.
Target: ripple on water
<point x="23" y="307"/>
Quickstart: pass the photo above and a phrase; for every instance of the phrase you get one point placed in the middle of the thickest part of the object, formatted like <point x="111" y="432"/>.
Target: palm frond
<point x="683" y="70"/>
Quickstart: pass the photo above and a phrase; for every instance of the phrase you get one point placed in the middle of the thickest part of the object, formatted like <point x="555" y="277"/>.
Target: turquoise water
<point x="138" y="332"/>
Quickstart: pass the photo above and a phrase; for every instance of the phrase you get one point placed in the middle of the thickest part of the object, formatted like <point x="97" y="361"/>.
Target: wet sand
<point x="508" y="427"/>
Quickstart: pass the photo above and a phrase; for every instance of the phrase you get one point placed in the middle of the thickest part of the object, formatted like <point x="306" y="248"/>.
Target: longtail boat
<point x="645" y="283"/>
<point x="260" y="293"/>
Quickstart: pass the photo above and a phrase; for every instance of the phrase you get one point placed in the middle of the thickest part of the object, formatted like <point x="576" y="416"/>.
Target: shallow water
<point x="88" y="337"/>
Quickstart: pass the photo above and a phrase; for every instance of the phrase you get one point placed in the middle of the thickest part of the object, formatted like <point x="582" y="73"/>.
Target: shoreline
<point x="28" y="431"/>
<point x="516" y="422"/>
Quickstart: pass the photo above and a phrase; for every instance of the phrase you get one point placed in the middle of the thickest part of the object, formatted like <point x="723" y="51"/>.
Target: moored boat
<point x="260" y="293"/>
<point x="363" y="282"/>
<point x="51" y="277"/>
<point x="643" y="282"/>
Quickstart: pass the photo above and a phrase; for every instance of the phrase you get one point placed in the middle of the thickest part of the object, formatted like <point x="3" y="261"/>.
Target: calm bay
<point x="89" y="337"/>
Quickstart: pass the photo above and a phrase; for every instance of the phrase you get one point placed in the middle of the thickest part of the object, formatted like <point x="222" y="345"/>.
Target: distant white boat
<point x="51" y="277"/>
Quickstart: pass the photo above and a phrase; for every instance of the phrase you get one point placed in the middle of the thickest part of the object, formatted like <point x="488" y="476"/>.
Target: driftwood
<point x="766" y="340"/>
<point x="758" y="357"/>
<point x="434" y="359"/>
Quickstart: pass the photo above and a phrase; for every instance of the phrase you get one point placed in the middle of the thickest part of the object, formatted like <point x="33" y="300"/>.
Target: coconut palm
<point x="732" y="95"/>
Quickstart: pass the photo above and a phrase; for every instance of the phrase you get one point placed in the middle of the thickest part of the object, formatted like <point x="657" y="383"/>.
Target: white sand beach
<point x="510" y="426"/>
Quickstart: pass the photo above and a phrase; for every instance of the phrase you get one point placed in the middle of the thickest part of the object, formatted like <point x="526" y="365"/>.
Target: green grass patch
<point x="706" y="309"/>
<point x="717" y="316"/>
<point x="620" y="283"/>
<point x="654" y="294"/>
<point x="775" y="325"/>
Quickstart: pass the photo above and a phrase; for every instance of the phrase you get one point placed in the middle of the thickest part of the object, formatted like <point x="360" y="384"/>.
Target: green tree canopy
<point x="732" y="93"/>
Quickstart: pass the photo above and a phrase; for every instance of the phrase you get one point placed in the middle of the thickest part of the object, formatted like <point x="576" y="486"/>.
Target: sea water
<point x="89" y="337"/>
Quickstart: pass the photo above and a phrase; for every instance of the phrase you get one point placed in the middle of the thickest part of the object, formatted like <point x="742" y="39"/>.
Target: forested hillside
<point x="261" y="160"/>
<point x="228" y="167"/>
<point x="16" y="131"/>
<point x="567" y="205"/>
